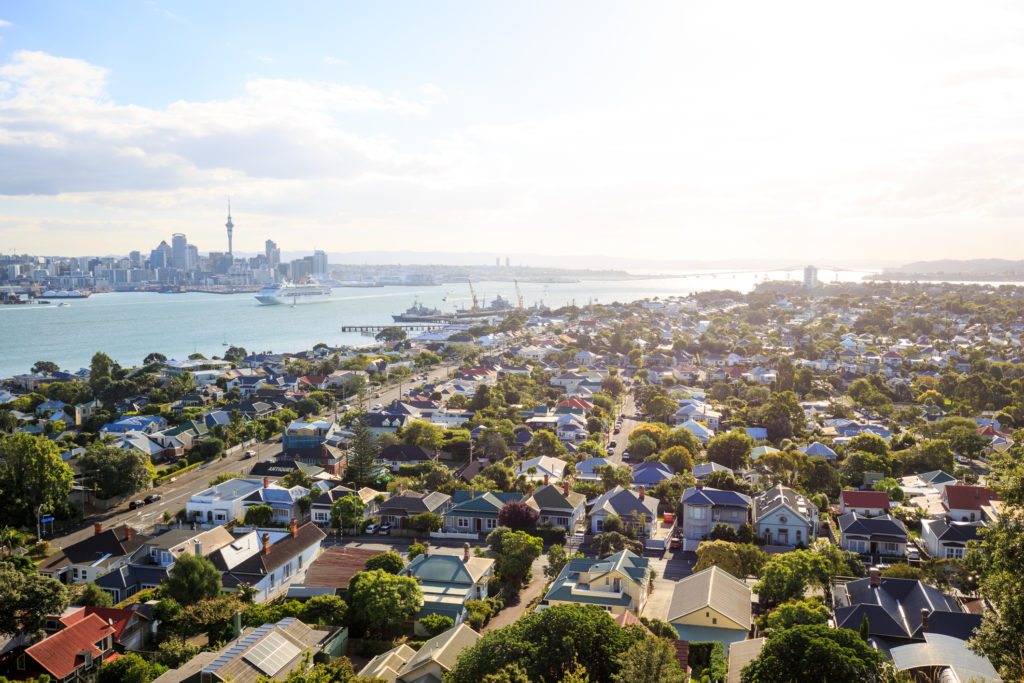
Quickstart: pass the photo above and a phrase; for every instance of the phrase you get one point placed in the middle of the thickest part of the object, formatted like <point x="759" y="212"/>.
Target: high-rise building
<point x="135" y="258"/>
<point x="300" y="269"/>
<point x="508" y="262"/>
<point x="810" y="277"/>
<point x="273" y="254"/>
<point x="320" y="266"/>
<point x="497" y="262"/>
<point x="193" y="258"/>
<point x="161" y="256"/>
<point x="231" y="229"/>
<point x="179" y="251"/>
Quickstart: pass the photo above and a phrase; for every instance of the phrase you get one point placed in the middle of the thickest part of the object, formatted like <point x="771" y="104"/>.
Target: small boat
<point x="63" y="304"/>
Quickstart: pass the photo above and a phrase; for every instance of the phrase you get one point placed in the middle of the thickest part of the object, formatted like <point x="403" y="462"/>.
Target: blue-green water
<point x="128" y="326"/>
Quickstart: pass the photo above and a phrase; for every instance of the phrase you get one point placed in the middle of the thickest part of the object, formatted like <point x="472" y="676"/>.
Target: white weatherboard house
<point x="784" y="517"/>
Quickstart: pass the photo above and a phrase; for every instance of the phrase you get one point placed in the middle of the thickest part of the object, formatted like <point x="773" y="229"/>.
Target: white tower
<point x="231" y="229"/>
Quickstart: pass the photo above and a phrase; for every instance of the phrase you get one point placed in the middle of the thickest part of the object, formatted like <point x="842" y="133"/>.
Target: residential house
<point x="963" y="503"/>
<point x="331" y="572"/>
<point x="71" y="654"/>
<point x="636" y="510"/>
<point x="399" y="508"/>
<point x="700" y="431"/>
<point x="131" y="626"/>
<point x="396" y="455"/>
<point x="705" y="507"/>
<point x="222" y="503"/>
<point x="267" y="652"/>
<point x="268" y="560"/>
<point x="320" y="510"/>
<point x="784" y="517"/>
<point x="943" y="658"/>
<point x="900" y="611"/>
<point x="617" y="583"/>
<point x="286" y="503"/>
<point x="883" y="535"/>
<point x="476" y="513"/>
<point x="558" y="506"/>
<point x="703" y="469"/>
<point x="711" y="605"/>
<point x="650" y="474"/>
<point x="864" y="503"/>
<point x="586" y="470"/>
<point x="543" y="468"/>
<point x="944" y="539"/>
<point x="92" y="557"/>
<point x="429" y="664"/>
<point x="819" y="449"/>
<point x="147" y="424"/>
<point x="448" y="582"/>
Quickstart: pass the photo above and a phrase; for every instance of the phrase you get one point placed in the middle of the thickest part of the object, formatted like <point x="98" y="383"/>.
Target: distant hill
<point x="994" y="268"/>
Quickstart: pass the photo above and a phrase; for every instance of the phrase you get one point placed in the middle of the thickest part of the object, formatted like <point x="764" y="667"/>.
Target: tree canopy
<point x="815" y="653"/>
<point x="32" y="474"/>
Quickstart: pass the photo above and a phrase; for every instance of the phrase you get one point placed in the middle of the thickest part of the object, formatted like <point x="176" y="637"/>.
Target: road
<point x="629" y="422"/>
<point x="175" y="494"/>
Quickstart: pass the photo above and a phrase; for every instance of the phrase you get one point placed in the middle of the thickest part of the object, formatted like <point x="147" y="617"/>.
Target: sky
<point x="811" y="131"/>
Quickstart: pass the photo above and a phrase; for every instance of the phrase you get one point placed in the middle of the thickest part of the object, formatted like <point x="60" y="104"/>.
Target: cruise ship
<point x="65" y="294"/>
<point x="285" y="293"/>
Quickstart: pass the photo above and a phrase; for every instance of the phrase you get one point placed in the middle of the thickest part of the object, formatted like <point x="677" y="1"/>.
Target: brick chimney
<point x="472" y="493"/>
<point x="640" y="492"/>
<point x="97" y="529"/>
<point x="465" y="551"/>
<point x="876" y="577"/>
<point x="127" y="533"/>
<point x="266" y="482"/>
<point x="294" y="527"/>
<point x="266" y="544"/>
<point x="546" y="478"/>
<point x="565" y="487"/>
<point x="925" y="612"/>
<point x="699" y="486"/>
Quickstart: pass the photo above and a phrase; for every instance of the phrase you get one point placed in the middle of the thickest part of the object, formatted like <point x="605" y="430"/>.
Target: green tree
<point x="436" y="624"/>
<point x="116" y="471"/>
<point x="259" y="516"/>
<point x="92" y="595"/>
<point x="815" y="653"/>
<point x="515" y="555"/>
<point x="347" y="512"/>
<point x="795" y="612"/>
<point x="364" y="451"/>
<point x="175" y="651"/>
<point x="27" y="598"/>
<point x="545" y="643"/>
<point x="642" y="446"/>
<point x="611" y="542"/>
<point x="191" y="579"/>
<point x="99" y="372"/>
<point x="557" y="559"/>
<point x="730" y="449"/>
<point x="787" y="576"/>
<point x="391" y="334"/>
<point x="678" y="458"/>
<point x="32" y="475"/>
<point x="128" y="668"/>
<point x="650" y="660"/>
<point x="544" y="442"/>
<point x="739" y="559"/>
<point x="612" y="476"/>
<point x="390" y="562"/>
<point x="45" y="367"/>
<point x="324" y="609"/>
<point x="868" y="443"/>
<point x="682" y="437"/>
<point x="383" y="601"/>
<point x="424" y="434"/>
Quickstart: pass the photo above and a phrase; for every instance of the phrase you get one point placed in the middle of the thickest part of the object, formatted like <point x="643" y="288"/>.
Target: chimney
<point x="876" y="577"/>
<point x="266" y="482"/>
<point x="699" y="486"/>
<point x="236" y="623"/>
<point x="266" y="544"/>
<point x="97" y="529"/>
<point x="472" y="493"/>
<point x="465" y="551"/>
<point x="546" y="479"/>
<point x="127" y="533"/>
<point x="294" y="527"/>
<point x="924" y="619"/>
<point x="199" y="548"/>
<point x="565" y="487"/>
<point x="426" y="550"/>
<point x="640" y="492"/>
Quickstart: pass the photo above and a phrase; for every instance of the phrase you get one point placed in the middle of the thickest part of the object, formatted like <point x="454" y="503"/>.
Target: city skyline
<point x="801" y="132"/>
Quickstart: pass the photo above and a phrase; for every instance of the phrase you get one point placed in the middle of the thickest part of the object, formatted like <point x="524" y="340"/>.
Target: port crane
<point x="519" y="296"/>
<point x="472" y="292"/>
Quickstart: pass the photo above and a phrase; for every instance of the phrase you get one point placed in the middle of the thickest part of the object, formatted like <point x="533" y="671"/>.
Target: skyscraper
<point x="231" y="229"/>
<point x="161" y="256"/>
<point x="179" y="251"/>
<point x="320" y="266"/>
<point x="810" y="277"/>
<point x="273" y="254"/>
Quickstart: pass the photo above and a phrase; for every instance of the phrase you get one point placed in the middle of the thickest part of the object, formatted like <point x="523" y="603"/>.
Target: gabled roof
<point x="782" y="496"/>
<point x="716" y="588"/>
<point x="97" y="549"/>
<point x="552" y="497"/>
<point x="450" y="569"/>
<point x="625" y="503"/>
<point x="403" y="452"/>
<point x="443" y="649"/>
<point x="60" y="654"/>
<point x="886" y="525"/>
<point x="696" y="495"/>
<point x="413" y="502"/>
<point x="281" y="552"/>
<point x="865" y="499"/>
<point x="953" y="532"/>
<point x="963" y="497"/>
<point x="894" y="609"/>
<point x="703" y="469"/>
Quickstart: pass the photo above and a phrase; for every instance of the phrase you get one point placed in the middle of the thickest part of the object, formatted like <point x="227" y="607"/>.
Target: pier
<point x="374" y="329"/>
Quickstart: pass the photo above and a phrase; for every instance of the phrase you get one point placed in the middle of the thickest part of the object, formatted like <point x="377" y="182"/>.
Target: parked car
<point x="377" y="406"/>
<point x="611" y="444"/>
<point x="135" y="504"/>
<point x="385" y="529"/>
<point x="616" y="430"/>
<point x="152" y="498"/>
<point x="625" y="456"/>
<point x="345" y="408"/>
<point x="249" y="454"/>
<point x="675" y="544"/>
<point x="371" y="528"/>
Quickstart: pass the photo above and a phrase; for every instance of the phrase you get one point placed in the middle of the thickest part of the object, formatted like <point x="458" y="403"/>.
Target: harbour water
<point x="128" y="326"/>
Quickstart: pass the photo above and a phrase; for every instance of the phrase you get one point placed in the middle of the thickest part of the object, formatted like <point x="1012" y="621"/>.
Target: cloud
<point x="5" y="24"/>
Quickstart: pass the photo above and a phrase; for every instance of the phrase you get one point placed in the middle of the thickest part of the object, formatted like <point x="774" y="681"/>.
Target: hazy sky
<point x="698" y="130"/>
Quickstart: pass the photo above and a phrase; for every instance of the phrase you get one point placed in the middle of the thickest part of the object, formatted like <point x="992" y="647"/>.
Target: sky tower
<point x="231" y="228"/>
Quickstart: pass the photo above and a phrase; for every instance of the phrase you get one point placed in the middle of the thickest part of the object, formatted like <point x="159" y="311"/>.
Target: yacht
<point x="288" y="293"/>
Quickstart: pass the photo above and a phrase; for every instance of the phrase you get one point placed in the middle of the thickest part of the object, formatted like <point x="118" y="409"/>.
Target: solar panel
<point x="271" y="654"/>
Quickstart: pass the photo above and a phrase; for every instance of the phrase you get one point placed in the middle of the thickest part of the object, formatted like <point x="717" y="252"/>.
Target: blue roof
<point x="708" y="496"/>
<point x="650" y="473"/>
<point x="818" y="448"/>
<point x="757" y="433"/>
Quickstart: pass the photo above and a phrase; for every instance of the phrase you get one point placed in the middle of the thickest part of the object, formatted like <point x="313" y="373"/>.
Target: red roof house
<point x="79" y="647"/>
<point x="963" y="502"/>
<point x="865" y="503"/>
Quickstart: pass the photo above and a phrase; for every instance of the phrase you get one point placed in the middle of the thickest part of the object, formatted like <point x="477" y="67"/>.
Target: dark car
<point x="611" y="444"/>
<point x="135" y="504"/>
<point x="384" y="529"/>
<point x="152" y="498"/>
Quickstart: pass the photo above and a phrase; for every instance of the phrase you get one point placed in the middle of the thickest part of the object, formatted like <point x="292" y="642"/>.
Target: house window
<point x="954" y="553"/>
<point x="490" y="523"/>
<point x="300" y="561"/>
<point x="714" y="620"/>
<point x="600" y="525"/>
<point x="287" y="571"/>
<point x="698" y="513"/>
<point x="462" y="523"/>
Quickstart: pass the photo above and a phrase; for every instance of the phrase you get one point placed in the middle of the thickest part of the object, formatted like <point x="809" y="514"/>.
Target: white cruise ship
<point x="286" y="293"/>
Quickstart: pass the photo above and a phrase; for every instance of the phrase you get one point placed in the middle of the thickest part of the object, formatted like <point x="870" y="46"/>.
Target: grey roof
<point x="884" y="527"/>
<point x="703" y="469"/>
<point x="716" y="588"/>
<point x="894" y="609"/>
<point x="777" y="496"/>
<point x="413" y="502"/>
<point x="552" y="497"/>
<point x="625" y="503"/>
<point x="946" y="652"/>
<point x="697" y="495"/>
<point x="953" y="532"/>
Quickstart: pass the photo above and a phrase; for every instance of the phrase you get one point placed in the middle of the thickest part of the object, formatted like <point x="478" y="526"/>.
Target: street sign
<point x="48" y="518"/>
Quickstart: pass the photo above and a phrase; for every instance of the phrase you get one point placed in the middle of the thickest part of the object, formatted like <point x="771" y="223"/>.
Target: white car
<point x="377" y="406"/>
